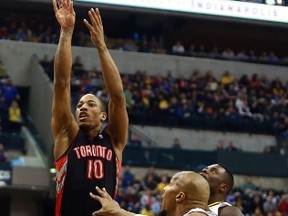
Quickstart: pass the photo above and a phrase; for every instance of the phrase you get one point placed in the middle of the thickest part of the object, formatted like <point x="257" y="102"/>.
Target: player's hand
<point x="96" y="28"/>
<point x="64" y="13"/>
<point x="109" y="206"/>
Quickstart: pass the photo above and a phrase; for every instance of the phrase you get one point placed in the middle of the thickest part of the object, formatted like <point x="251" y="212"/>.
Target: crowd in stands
<point x="11" y="120"/>
<point x="143" y="194"/>
<point x="40" y="30"/>
<point x="228" y="54"/>
<point x="251" y="104"/>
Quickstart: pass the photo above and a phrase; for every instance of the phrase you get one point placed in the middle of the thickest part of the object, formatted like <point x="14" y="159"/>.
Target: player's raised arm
<point x="117" y="115"/>
<point x="62" y="118"/>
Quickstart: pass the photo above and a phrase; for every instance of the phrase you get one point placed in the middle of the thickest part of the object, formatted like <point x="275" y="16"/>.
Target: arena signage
<point x="5" y="176"/>
<point x="227" y="8"/>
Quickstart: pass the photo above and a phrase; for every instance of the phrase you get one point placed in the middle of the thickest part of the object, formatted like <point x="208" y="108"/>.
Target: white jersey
<point x="215" y="207"/>
<point x="199" y="210"/>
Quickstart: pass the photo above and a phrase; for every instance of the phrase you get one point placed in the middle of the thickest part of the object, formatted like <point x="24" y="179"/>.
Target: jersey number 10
<point x="95" y="169"/>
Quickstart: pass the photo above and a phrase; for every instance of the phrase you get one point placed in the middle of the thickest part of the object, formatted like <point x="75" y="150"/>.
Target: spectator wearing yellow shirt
<point x="147" y="211"/>
<point x="227" y="79"/>
<point x="162" y="184"/>
<point x="15" y="118"/>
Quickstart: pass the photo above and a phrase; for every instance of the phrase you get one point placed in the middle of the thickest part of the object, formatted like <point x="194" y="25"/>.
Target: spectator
<point x="147" y="198"/>
<point x="257" y="212"/>
<point x="283" y="204"/>
<point x="252" y="56"/>
<point x="127" y="177"/>
<point x="153" y="45"/>
<point x="267" y="150"/>
<point x="228" y="54"/>
<point x="147" y="211"/>
<point x="270" y="205"/>
<point x="78" y="67"/>
<point x="15" y="117"/>
<point x="144" y="44"/>
<point x="152" y="172"/>
<point x="241" y="104"/>
<point x="192" y="50"/>
<point x="248" y="186"/>
<point x="256" y="206"/>
<point x="131" y="195"/>
<point x="9" y="91"/>
<point x="254" y="82"/>
<point x="3" y="155"/>
<point x="243" y="81"/>
<point x="3" y="70"/>
<point x="4" y="114"/>
<point x="227" y="80"/>
<point x="156" y="206"/>
<point x="272" y="57"/>
<point x="151" y="184"/>
<point x="212" y="84"/>
<point x="239" y="202"/>
<point x="129" y="96"/>
<point x="176" y="144"/>
<point x="202" y="51"/>
<point x="21" y="35"/>
<point x="220" y="145"/>
<point x="129" y="45"/>
<point x="162" y="184"/>
<point x="178" y="48"/>
<point x="94" y="81"/>
<point x="242" y="56"/>
<point x="3" y="32"/>
<point x="230" y="147"/>
<point x="215" y="53"/>
<point x="136" y="140"/>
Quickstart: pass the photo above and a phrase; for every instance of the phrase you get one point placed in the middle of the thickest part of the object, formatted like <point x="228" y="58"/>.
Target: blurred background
<point x="206" y="81"/>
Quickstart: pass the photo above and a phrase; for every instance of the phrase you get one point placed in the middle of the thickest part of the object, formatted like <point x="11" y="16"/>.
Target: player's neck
<point x="216" y="199"/>
<point x="91" y="134"/>
<point x="180" y="210"/>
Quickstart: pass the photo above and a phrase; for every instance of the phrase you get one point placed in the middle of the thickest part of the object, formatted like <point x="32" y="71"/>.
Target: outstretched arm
<point x="62" y="118"/>
<point x="109" y="206"/>
<point x="117" y="116"/>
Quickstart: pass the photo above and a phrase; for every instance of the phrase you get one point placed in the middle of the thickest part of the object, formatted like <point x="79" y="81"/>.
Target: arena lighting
<point x="226" y="8"/>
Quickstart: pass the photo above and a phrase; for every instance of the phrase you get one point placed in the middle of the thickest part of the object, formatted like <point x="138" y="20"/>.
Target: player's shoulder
<point x="230" y="211"/>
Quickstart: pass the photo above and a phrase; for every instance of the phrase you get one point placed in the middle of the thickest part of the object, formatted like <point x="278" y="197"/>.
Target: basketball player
<point x="221" y="182"/>
<point x="187" y="194"/>
<point x="86" y="153"/>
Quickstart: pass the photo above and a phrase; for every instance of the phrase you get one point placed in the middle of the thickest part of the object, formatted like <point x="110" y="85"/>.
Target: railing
<point x="147" y="141"/>
<point x="242" y="163"/>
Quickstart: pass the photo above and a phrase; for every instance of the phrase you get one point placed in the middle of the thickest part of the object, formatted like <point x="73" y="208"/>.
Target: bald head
<point x="194" y="186"/>
<point x="186" y="190"/>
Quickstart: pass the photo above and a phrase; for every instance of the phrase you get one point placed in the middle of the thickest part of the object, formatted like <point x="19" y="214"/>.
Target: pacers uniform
<point x="214" y="207"/>
<point x="199" y="210"/>
<point x="85" y="165"/>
